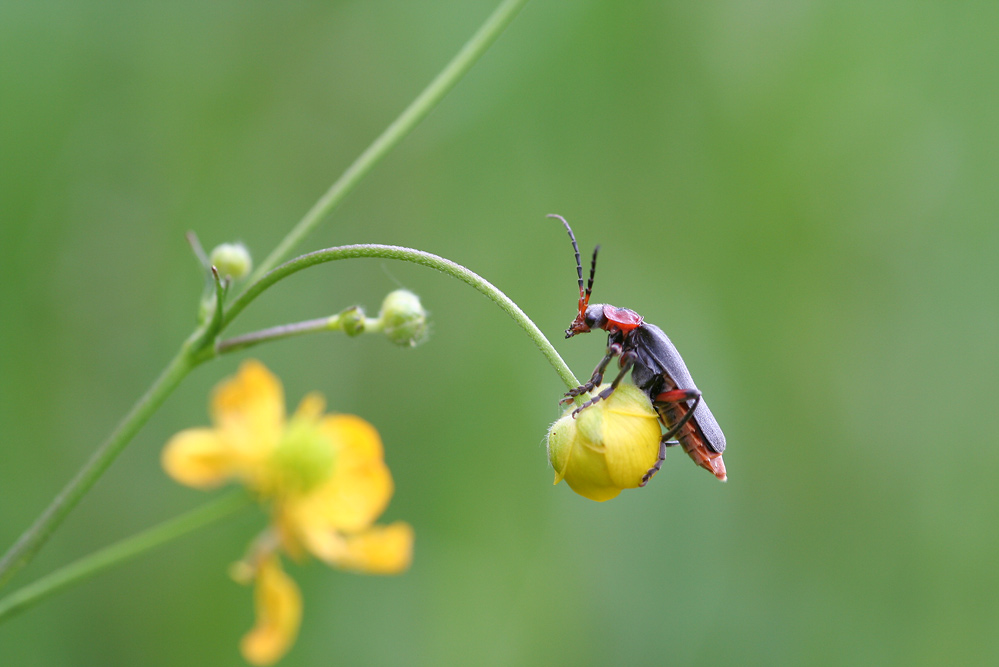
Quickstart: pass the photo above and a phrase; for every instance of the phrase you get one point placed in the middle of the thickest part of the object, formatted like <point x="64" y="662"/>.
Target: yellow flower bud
<point x="403" y="319"/>
<point x="608" y="447"/>
<point x="232" y="259"/>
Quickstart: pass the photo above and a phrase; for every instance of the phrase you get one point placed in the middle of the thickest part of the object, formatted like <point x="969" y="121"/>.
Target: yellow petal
<point x="249" y="409"/>
<point x="198" y="457"/>
<point x="631" y="441"/>
<point x="361" y="485"/>
<point x="586" y="473"/>
<point x="345" y="504"/>
<point x="576" y="451"/>
<point x="311" y="408"/>
<point x="561" y="439"/>
<point x="355" y="439"/>
<point x="377" y="550"/>
<point x="354" y="495"/>
<point x="278" y="604"/>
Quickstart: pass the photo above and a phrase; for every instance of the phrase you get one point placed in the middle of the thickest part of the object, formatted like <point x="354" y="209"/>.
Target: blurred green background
<point x="802" y="194"/>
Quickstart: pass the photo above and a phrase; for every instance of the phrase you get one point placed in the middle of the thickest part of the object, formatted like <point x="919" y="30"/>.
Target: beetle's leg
<point x="679" y="396"/>
<point x="613" y="350"/>
<point x="627" y="361"/>
<point x="672" y="396"/>
<point x="695" y="446"/>
<point x="663" y="444"/>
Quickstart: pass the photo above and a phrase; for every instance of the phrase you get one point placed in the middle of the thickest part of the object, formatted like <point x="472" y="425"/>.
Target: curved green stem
<point x="417" y="257"/>
<point x="120" y="552"/>
<point x="194" y="351"/>
<point x="394" y="133"/>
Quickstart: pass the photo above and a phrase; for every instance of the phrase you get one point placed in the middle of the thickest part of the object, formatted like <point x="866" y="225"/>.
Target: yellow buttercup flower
<point x="608" y="447"/>
<point x="323" y="478"/>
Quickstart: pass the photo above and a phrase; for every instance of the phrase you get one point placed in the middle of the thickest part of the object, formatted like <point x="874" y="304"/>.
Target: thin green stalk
<point x="235" y="343"/>
<point x="417" y="257"/>
<point x="192" y="353"/>
<point x="34" y="537"/>
<point x="120" y="552"/>
<point x="403" y="125"/>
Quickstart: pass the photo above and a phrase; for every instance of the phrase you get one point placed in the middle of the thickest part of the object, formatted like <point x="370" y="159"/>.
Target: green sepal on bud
<point x="608" y="447"/>
<point x="403" y="319"/>
<point x="232" y="260"/>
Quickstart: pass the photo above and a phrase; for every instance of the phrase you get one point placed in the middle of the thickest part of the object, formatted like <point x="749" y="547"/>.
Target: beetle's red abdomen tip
<point x="702" y="456"/>
<point x="718" y="468"/>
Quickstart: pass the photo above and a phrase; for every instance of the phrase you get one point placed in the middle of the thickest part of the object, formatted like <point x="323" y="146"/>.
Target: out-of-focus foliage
<point x="801" y="194"/>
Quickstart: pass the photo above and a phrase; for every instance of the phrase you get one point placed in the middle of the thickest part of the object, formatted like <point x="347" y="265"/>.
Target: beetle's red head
<point x="588" y="317"/>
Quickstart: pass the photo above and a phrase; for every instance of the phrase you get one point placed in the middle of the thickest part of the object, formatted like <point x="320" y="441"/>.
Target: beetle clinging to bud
<point x="656" y="368"/>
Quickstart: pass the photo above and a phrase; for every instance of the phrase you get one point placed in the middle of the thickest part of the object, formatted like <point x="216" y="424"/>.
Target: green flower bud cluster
<point x="402" y="319"/>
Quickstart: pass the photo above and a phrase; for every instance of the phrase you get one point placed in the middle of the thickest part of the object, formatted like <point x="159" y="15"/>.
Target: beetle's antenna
<point x="575" y="247"/>
<point x="593" y="271"/>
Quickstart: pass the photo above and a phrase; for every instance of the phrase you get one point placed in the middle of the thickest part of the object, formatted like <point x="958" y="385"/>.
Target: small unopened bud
<point x="232" y="260"/>
<point x="609" y="447"/>
<point x="403" y="319"/>
<point x="352" y="321"/>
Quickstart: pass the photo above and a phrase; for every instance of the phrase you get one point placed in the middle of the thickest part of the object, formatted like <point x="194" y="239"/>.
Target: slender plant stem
<point x="277" y="333"/>
<point x="120" y="552"/>
<point x="417" y="257"/>
<point x="410" y="118"/>
<point x="33" y="538"/>
<point x="190" y="355"/>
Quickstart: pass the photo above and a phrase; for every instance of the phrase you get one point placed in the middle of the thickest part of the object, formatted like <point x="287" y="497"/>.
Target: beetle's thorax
<point x="620" y="319"/>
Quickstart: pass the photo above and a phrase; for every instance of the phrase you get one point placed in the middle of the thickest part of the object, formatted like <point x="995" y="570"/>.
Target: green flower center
<point x="303" y="459"/>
